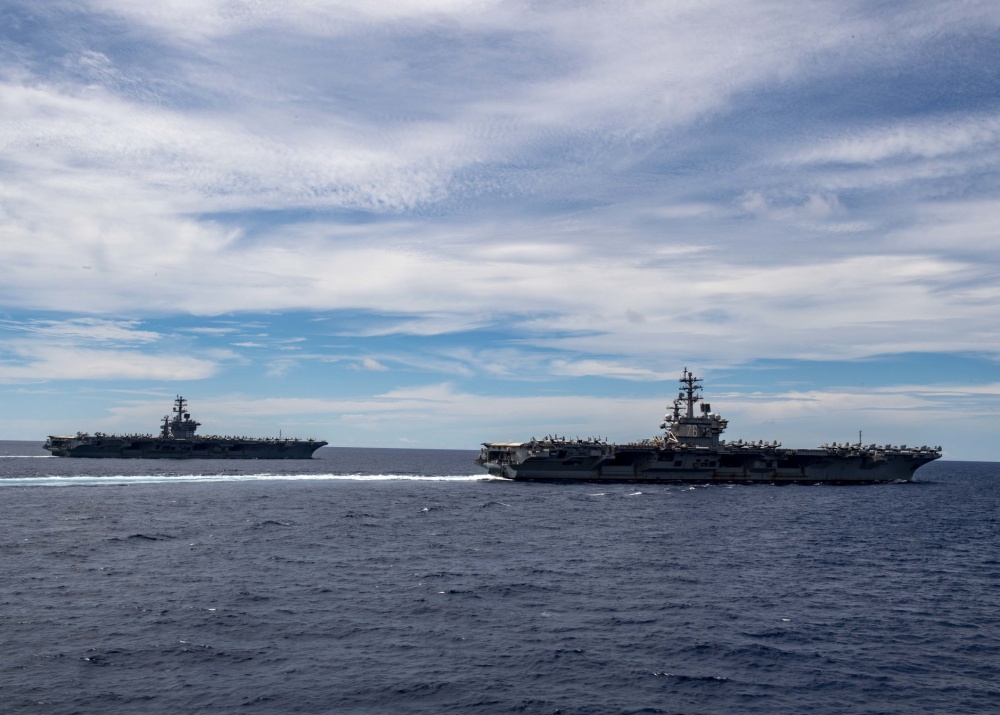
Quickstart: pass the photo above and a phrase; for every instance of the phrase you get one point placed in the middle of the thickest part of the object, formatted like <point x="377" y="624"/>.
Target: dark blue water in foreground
<point x="385" y="581"/>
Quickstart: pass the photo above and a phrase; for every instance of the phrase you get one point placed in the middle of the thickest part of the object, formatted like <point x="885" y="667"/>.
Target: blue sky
<point x="439" y="222"/>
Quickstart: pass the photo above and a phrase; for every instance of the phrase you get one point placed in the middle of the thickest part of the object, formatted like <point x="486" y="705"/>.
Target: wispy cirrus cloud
<point x="910" y="140"/>
<point x="98" y="330"/>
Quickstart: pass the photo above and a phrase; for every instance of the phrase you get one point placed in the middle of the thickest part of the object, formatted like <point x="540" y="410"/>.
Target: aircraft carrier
<point x="690" y="450"/>
<point x="177" y="440"/>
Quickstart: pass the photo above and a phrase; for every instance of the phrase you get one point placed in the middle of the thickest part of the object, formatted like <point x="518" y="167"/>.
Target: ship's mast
<point x="691" y="386"/>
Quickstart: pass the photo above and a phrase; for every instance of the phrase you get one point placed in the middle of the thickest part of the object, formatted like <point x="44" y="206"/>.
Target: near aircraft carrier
<point x="177" y="440"/>
<point x="690" y="451"/>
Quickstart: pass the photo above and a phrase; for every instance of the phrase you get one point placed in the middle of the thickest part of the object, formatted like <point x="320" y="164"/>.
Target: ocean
<point x="405" y="581"/>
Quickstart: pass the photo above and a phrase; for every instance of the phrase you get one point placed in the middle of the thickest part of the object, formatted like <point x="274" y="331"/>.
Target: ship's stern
<point x="500" y="459"/>
<point x="60" y="446"/>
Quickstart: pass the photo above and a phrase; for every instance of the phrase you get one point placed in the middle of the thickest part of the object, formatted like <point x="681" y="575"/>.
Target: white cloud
<point x="372" y="364"/>
<point x="926" y="139"/>
<point x="602" y="368"/>
<point x="210" y="331"/>
<point x="49" y="362"/>
<point x="280" y="367"/>
<point x="626" y="72"/>
<point x="571" y="294"/>
<point x="97" y="349"/>
<point x="67" y="138"/>
<point x="85" y="329"/>
<point x="212" y="20"/>
<point x="970" y="228"/>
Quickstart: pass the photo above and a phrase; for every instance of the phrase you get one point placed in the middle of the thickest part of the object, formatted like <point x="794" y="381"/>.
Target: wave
<point x="105" y="480"/>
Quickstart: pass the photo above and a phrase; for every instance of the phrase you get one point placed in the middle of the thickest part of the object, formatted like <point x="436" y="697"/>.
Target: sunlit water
<point x="391" y="581"/>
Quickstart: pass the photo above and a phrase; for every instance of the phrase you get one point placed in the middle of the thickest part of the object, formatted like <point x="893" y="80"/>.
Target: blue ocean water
<point x="392" y="581"/>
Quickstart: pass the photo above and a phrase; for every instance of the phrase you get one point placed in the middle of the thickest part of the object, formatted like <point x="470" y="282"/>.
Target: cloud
<point x="208" y="163"/>
<point x="623" y="76"/>
<point x="46" y="362"/>
<point x="602" y="368"/>
<point x="96" y="349"/>
<point x="372" y="364"/>
<point x="806" y="207"/>
<point x="85" y="329"/>
<point x="830" y="304"/>
<point x="281" y="367"/>
<point x="909" y="141"/>
<point x="218" y="19"/>
<point x="210" y="331"/>
<point x="967" y="228"/>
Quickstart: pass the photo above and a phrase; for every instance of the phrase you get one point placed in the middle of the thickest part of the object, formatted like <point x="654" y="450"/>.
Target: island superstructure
<point x="177" y="440"/>
<point x="690" y="450"/>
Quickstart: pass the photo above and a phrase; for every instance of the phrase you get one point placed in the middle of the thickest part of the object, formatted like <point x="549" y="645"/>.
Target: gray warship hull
<point x="636" y="464"/>
<point x="116" y="448"/>
<point x="177" y="440"/>
<point x="690" y="451"/>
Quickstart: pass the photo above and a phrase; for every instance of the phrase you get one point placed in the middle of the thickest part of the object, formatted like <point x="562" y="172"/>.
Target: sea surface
<point x="405" y="581"/>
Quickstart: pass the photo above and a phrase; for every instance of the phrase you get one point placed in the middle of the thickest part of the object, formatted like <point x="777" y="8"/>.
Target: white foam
<point x="105" y="480"/>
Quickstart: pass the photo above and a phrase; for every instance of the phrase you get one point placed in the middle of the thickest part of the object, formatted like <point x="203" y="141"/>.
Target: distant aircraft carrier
<point x="177" y="440"/>
<point x="690" y="451"/>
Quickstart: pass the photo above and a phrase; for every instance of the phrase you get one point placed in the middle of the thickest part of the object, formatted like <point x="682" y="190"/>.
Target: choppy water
<point x="384" y="581"/>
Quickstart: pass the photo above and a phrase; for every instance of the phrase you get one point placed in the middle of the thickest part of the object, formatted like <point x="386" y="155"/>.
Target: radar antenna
<point x="690" y="390"/>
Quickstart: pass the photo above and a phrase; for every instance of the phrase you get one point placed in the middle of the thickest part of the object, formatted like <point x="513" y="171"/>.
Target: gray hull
<point x="673" y="466"/>
<point x="112" y="448"/>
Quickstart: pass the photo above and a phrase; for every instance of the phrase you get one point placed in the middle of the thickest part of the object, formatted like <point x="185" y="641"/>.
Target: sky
<point x="435" y="223"/>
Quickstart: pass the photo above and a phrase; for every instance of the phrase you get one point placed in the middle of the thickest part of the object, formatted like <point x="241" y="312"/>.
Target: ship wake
<point x="124" y="480"/>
